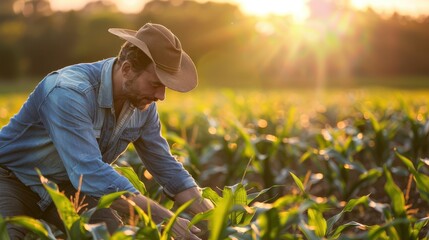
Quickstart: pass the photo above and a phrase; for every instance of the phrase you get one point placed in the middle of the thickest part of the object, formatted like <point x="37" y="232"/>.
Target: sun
<point x="130" y="6"/>
<point x="296" y="8"/>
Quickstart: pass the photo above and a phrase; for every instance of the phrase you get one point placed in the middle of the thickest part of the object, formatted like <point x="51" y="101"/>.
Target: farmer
<point x="79" y="119"/>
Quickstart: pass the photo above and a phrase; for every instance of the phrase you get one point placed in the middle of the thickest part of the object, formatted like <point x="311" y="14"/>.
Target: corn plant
<point x="421" y="180"/>
<point x="337" y="152"/>
<point x="415" y="131"/>
<point x="358" y="158"/>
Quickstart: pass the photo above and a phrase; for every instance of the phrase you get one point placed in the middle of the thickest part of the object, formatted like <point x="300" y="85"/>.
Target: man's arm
<point x="155" y="153"/>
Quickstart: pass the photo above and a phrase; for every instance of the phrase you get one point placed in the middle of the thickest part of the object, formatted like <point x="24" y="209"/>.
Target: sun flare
<point x="296" y="8"/>
<point x="130" y="5"/>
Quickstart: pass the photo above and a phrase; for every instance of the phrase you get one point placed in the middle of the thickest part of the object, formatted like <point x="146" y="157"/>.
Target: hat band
<point x="167" y="68"/>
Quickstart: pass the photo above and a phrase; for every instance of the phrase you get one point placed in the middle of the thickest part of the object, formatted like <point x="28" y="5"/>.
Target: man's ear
<point x="126" y="70"/>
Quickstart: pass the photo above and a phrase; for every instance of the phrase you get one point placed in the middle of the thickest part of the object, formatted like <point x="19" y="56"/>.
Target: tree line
<point x="228" y="47"/>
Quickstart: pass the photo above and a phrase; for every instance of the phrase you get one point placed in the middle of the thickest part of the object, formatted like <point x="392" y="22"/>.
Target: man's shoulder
<point x="82" y="76"/>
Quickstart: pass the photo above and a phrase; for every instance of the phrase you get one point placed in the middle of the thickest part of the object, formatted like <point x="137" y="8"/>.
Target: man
<point x="79" y="119"/>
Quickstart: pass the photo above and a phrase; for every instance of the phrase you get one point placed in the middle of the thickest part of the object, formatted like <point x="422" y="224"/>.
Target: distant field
<point x="318" y="151"/>
<point x="267" y="101"/>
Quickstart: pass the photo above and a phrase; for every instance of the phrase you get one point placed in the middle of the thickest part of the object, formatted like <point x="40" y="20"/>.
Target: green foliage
<point x="422" y="180"/>
<point x="316" y="220"/>
<point x="35" y="226"/>
<point x="398" y="207"/>
<point x="129" y="173"/>
<point x="220" y="217"/>
<point x="66" y="210"/>
<point x="298" y="182"/>
<point x="166" y="233"/>
<point x="3" y="232"/>
<point x="345" y="167"/>
<point x="348" y="208"/>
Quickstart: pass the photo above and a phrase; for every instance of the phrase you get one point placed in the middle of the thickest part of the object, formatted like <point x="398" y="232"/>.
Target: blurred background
<point x="233" y="43"/>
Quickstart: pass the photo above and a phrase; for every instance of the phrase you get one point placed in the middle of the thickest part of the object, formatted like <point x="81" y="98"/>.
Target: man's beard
<point x="137" y="101"/>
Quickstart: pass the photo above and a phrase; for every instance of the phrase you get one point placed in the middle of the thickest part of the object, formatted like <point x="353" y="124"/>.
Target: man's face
<point x="144" y="88"/>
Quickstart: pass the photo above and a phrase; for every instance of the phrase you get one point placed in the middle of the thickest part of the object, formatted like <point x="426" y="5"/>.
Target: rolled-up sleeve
<point x="66" y="114"/>
<point x="155" y="153"/>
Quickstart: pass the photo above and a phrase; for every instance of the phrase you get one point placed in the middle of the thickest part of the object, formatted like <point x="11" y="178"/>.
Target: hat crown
<point x="164" y="46"/>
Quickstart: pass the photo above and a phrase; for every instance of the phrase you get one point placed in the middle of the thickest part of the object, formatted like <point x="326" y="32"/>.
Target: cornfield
<point x="280" y="164"/>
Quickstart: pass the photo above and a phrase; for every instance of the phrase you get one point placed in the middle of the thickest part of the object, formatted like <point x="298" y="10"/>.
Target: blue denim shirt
<point x="67" y="128"/>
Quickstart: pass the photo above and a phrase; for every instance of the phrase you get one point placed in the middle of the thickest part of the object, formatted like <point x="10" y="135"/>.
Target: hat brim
<point x="183" y="80"/>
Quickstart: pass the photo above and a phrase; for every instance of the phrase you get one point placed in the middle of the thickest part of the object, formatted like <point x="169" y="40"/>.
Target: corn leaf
<point x="421" y="223"/>
<point x="65" y="208"/>
<point x="219" y="218"/>
<point x="107" y="200"/>
<point x="166" y="233"/>
<point x="201" y="216"/>
<point x="31" y="224"/>
<point x="239" y="197"/>
<point x="211" y="195"/>
<point x="131" y="175"/>
<point x="422" y="180"/>
<point x="396" y="196"/>
<point x="377" y="230"/>
<point x="289" y="218"/>
<point x="348" y="208"/>
<point x="298" y="182"/>
<point x="346" y="226"/>
<point x="149" y="229"/>
<point x="287" y="200"/>
<point x="251" y="197"/>
<point x="269" y="224"/>
<point x="316" y="220"/>
<point x="398" y="205"/>
<point x="3" y="229"/>
<point x="123" y="234"/>
<point x="307" y="231"/>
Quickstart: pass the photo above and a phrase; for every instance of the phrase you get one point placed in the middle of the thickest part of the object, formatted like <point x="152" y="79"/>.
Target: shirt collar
<point x="105" y="94"/>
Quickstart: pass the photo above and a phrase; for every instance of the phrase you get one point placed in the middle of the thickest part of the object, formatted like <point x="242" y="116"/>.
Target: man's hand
<point x="181" y="231"/>
<point x="159" y="213"/>
<point x="199" y="205"/>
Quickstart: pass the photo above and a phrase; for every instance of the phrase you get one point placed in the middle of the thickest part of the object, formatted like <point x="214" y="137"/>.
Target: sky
<point x="296" y="8"/>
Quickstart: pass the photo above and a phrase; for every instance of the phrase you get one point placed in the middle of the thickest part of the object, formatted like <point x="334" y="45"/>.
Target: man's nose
<point x="160" y="93"/>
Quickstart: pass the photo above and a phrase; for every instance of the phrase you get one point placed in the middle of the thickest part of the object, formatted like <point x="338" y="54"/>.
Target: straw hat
<point x="173" y="66"/>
